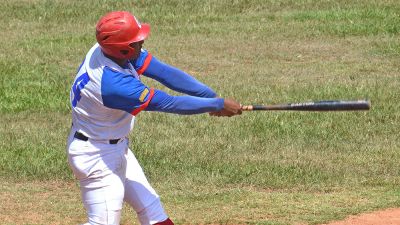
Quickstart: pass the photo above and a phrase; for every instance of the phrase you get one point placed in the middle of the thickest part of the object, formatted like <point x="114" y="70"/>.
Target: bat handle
<point x="247" y="107"/>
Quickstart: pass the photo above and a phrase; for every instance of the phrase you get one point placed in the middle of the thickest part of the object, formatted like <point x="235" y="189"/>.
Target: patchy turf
<point x="266" y="168"/>
<point x="49" y="202"/>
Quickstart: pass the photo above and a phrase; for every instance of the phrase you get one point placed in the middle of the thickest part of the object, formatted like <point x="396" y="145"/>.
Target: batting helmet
<point x="117" y="30"/>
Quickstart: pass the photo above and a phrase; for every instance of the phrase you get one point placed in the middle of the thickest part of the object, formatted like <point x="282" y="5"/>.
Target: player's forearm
<point x="185" y="105"/>
<point x="177" y="80"/>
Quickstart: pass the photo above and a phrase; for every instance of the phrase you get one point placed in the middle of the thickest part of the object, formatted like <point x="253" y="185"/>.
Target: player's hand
<point x="231" y="108"/>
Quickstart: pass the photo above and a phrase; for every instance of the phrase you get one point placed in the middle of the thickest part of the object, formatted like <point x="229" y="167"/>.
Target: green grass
<point x="352" y="21"/>
<point x="259" y="168"/>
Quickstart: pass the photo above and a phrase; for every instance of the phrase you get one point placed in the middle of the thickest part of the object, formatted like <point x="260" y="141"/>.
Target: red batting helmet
<point x="116" y="30"/>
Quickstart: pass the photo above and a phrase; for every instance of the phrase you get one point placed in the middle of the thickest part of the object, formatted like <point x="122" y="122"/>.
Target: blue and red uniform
<point x="105" y="99"/>
<point x="105" y="94"/>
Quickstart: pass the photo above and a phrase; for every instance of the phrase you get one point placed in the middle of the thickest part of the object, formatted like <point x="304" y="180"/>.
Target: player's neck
<point x="120" y="62"/>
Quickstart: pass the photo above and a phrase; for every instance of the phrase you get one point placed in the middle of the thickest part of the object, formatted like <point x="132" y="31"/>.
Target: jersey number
<point x="79" y="84"/>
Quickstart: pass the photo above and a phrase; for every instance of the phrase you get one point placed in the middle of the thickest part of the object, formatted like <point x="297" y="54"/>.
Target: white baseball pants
<point x="110" y="174"/>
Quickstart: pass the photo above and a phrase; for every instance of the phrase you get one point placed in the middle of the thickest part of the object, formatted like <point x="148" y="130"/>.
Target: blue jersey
<point x="106" y="97"/>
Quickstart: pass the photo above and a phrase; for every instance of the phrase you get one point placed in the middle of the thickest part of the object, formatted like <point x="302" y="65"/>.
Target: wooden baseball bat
<point x="336" y="105"/>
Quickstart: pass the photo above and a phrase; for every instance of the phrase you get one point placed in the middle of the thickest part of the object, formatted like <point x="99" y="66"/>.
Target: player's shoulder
<point x="141" y="63"/>
<point x="115" y="77"/>
<point x="115" y="84"/>
<point x="110" y="70"/>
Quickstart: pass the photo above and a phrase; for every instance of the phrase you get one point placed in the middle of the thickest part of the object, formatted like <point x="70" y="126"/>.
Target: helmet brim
<point x="143" y="33"/>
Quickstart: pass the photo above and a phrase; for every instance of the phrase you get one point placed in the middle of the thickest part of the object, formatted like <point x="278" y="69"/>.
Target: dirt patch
<point x="384" y="217"/>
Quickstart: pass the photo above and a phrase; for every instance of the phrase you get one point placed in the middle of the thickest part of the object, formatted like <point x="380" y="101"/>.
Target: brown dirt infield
<point x="383" y="217"/>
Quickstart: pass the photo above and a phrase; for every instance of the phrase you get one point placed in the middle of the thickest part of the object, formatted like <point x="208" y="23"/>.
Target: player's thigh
<point x="101" y="172"/>
<point x="138" y="191"/>
<point x="140" y="195"/>
<point x="103" y="198"/>
<point x="103" y="193"/>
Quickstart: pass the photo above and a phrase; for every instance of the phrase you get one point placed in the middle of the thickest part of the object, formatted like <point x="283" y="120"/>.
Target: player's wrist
<point x="220" y="104"/>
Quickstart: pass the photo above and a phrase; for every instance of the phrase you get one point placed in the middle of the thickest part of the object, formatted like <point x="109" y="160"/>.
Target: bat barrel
<point x="330" y="106"/>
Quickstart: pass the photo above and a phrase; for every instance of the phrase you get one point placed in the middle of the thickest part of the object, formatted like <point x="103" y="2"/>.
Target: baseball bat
<point x="335" y="105"/>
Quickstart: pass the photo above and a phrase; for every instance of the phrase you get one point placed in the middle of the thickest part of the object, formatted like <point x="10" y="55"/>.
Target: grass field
<point x="258" y="168"/>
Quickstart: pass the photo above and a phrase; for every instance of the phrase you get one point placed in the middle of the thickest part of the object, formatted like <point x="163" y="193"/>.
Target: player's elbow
<point x="207" y="92"/>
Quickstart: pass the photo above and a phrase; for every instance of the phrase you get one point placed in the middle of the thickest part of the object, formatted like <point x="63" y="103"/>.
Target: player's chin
<point x="135" y="55"/>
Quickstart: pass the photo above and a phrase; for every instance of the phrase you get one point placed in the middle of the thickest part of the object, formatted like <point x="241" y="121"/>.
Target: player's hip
<point x="92" y="158"/>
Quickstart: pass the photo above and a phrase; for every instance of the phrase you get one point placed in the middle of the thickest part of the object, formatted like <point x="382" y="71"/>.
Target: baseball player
<point x="106" y="95"/>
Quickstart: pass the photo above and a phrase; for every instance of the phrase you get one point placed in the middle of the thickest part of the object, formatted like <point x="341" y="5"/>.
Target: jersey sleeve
<point x="124" y="92"/>
<point x="170" y="76"/>
<point x="185" y="105"/>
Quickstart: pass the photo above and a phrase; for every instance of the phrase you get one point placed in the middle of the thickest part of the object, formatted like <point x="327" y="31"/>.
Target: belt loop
<point x="82" y="137"/>
<point x="114" y="141"/>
